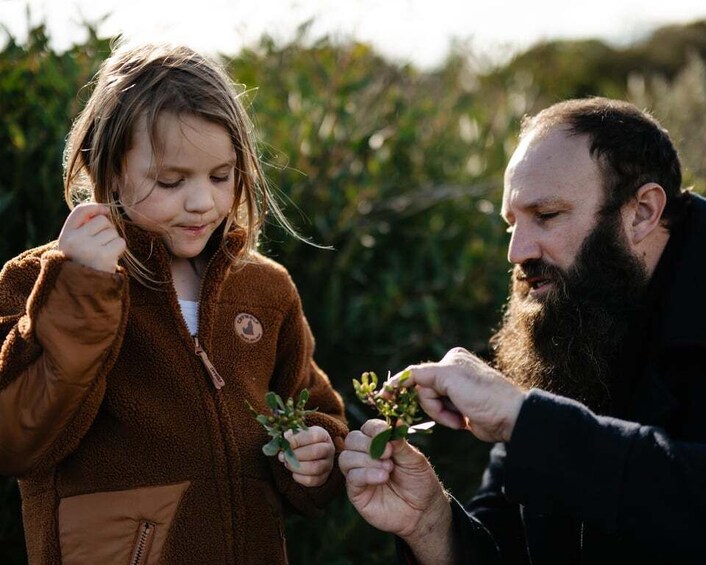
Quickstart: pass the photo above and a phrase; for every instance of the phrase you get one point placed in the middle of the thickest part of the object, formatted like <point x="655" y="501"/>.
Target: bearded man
<point x="597" y="397"/>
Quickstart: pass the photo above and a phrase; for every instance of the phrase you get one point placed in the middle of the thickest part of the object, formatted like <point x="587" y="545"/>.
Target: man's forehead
<point x="553" y="164"/>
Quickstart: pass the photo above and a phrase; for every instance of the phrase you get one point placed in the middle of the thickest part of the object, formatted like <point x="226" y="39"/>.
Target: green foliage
<point x="38" y="90"/>
<point x="398" y="171"/>
<point x="397" y="404"/>
<point x="286" y="416"/>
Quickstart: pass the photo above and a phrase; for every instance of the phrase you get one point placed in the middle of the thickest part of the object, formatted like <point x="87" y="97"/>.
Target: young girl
<point x="131" y="345"/>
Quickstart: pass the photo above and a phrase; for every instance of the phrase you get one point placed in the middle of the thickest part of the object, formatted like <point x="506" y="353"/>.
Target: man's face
<point x="577" y="284"/>
<point x="553" y="191"/>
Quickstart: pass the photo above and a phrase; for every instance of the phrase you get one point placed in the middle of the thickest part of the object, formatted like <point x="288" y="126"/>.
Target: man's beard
<point x="568" y="342"/>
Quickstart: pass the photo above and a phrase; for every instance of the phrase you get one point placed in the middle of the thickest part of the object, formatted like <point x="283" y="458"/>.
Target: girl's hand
<point x="90" y="238"/>
<point x="315" y="451"/>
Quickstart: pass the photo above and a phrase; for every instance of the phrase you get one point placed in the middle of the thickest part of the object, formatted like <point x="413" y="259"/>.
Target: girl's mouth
<point x="195" y="230"/>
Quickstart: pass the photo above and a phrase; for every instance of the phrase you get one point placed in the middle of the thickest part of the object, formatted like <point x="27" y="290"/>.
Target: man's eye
<point x="544" y="216"/>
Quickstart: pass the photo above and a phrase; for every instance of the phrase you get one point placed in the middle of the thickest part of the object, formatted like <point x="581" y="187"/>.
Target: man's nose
<point x="523" y="246"/>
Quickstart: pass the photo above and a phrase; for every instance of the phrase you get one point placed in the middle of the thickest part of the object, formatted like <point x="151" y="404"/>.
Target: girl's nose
<point x="199" y="198"/>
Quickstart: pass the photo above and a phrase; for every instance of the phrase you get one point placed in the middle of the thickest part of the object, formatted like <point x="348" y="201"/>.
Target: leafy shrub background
<point x="398" y="170"/>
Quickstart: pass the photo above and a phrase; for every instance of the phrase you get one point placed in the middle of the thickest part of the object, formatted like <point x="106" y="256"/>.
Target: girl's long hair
<point x="143" y="82"/>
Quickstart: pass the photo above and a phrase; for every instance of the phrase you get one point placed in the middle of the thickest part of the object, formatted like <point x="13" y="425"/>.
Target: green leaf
<point x="271" y="448"/>
<point x="377" y="446"/>
<point x="291" y="458"/>
<point x="262" y="419"/>
<point x="271" y="399"/>
<point x="400" y="432"/>
<point x="303" y="397"/>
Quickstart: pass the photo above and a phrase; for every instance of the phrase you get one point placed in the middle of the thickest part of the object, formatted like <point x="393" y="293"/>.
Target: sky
<point x="416" y="31"/>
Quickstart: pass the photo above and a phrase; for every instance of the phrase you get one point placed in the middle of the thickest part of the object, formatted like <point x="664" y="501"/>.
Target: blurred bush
<point x="399" y="171"/>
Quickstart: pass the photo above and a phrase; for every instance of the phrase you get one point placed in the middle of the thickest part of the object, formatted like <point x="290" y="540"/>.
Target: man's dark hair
<point x="630" y="145"/>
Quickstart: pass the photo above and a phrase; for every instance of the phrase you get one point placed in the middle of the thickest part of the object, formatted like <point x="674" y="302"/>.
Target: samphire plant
<point x="285" y="416"/>
<point x="398" y="405"/>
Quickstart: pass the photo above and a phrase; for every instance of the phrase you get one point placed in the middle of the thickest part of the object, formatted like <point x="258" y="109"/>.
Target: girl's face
<point x="186" y="190"/>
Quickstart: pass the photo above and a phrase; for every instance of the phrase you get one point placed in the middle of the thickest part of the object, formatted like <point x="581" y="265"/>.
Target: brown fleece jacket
<point x="126" y="450"/>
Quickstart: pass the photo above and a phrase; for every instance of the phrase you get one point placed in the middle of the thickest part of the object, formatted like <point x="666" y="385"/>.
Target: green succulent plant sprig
<point x="399" y="407"/>
<point x="285" y="416"/>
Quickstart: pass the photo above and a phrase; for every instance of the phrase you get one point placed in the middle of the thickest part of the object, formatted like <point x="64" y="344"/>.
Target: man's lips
<point x="537" y="282"/>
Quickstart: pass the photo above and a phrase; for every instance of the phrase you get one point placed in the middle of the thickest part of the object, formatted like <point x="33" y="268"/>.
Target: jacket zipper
<point x="218" y="383"/>
<point x="216" y="379"/>
<point x="581" y="542"/>
<point x="143" y="544"/>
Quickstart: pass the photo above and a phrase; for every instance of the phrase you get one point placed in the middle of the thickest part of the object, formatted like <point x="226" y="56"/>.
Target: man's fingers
<point x="356" y="441"/>
<point x="427" y="375"/>
<point x="371" y="428"/>
<point x="362" y="477"/>
<point x="441" y="409"/>
<point x="349" y="460"/>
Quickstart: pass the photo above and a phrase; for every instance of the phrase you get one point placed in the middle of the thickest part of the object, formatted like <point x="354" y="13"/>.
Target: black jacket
<point x="572" y="487"/>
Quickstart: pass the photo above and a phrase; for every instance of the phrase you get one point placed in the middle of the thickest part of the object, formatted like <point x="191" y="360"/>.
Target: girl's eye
<point x="168" y="184"/>
<point x="217" y="178"/>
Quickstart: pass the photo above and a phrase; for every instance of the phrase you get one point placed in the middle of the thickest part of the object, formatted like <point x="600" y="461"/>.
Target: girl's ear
<point x="649" y="203"/>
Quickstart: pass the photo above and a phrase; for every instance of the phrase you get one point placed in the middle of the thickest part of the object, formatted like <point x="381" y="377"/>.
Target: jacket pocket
<point x="128" y="526"/>
<point x="143" y="543"/>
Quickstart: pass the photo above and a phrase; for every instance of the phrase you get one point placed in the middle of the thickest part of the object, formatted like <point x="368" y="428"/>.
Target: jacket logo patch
<point x="248" y="327"/>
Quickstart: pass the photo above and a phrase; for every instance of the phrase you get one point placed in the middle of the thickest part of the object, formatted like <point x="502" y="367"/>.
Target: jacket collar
<point x="684" y="307"/>
<point x="150" y="250"/>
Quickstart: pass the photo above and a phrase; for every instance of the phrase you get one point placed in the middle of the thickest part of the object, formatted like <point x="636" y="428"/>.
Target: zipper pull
<point x="217" y="380"/>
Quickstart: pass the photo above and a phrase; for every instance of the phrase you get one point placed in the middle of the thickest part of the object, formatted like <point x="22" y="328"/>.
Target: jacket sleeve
<point x="295" y="370"/>
<point x="61" y="327"/>
<point x="473" y="542"/>
<point x="621" y="476"/>
<point x="489" y="530"/>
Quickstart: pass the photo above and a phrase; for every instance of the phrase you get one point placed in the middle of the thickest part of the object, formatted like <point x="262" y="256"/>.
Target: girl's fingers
<point x="314" y="451"/>
<point x="82" y="213"/>
<point x="115" y="247"/>
<point x="97" y="224"/>
<point x="309" y="480"/>
<point x="312" y="468"/>
<point x="105" y="236"/>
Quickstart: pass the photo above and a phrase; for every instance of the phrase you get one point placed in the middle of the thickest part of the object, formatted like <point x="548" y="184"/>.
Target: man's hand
<point x="463" y="392"/>
<point x="398" y="493"/>
<point x="90" y="239"/>
<point x="315" y="451"/>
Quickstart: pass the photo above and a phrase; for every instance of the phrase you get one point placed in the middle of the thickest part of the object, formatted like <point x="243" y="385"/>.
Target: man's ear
<point x="648" y="205"/>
